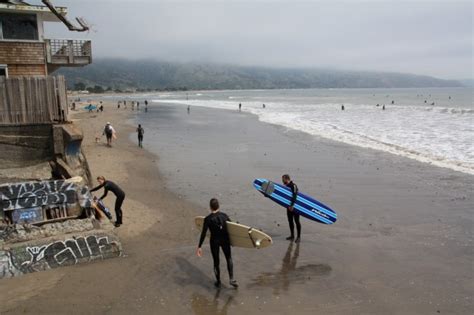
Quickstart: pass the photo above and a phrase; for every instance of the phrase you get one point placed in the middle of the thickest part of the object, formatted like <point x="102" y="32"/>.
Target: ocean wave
<point x="425" y="135"/>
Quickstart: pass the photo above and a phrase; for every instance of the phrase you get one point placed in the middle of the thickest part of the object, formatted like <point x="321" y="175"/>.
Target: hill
<point x="121" y="74"/>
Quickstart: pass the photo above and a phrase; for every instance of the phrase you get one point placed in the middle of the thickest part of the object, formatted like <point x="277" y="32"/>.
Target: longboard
<point x="305" y="205"/>
<point x="241" y="235"/>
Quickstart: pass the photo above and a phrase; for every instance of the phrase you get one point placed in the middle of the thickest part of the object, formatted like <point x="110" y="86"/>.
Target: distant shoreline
<point x="78" y="94"/>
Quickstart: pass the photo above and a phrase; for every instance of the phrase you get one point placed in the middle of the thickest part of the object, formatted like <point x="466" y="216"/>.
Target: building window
<point x="18" y="26"/>
<point x="3" y="71"/>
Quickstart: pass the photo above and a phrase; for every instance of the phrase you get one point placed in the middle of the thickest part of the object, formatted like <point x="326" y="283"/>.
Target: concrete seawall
<point x="66" y="250"/>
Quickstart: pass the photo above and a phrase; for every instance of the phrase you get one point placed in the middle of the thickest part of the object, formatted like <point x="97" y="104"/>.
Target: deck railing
<point x="69" y="52"/>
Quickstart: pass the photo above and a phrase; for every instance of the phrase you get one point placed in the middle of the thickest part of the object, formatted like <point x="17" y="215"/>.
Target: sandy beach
<point x="402" y="244"/>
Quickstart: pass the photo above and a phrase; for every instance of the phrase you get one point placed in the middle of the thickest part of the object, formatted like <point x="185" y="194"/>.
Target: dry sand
<point x="135" y="171"/>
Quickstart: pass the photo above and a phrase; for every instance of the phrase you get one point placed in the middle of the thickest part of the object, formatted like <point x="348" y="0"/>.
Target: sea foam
<point x="435" y="135"/>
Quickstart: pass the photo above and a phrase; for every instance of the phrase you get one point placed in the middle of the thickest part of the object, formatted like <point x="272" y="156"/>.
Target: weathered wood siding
<point x="23" y="58"/>
<point x="31" y="100"/>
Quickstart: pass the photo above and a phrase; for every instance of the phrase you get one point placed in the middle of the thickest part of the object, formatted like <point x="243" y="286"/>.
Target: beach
<point x="403" y="243"/>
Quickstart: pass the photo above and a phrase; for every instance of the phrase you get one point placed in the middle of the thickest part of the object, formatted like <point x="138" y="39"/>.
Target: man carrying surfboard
<point x="292" y="215"/>
<point x="216" y="223"/>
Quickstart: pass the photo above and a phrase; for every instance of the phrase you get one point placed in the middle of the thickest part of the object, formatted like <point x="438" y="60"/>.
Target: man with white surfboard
<point x="216" y="222"/>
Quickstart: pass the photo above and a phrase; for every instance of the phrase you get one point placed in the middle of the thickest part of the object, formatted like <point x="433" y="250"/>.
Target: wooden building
<point x="34" y="124"/>
<point x="24" y="50"/>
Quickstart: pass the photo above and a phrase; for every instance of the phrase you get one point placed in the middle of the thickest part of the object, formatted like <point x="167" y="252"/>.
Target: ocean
<point x="440" y="134"/>
<point x="431" y="125"/>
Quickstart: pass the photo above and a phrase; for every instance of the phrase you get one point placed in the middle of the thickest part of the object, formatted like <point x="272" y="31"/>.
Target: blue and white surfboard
<point x="306" y="206"/>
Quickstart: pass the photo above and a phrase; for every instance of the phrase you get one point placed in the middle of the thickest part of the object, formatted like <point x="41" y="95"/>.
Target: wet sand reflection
<point x="289" y="273"/>
<point x="203" y="306"/>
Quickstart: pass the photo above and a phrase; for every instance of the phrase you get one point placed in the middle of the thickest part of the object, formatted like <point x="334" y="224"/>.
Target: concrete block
<point x="58" y="252"/>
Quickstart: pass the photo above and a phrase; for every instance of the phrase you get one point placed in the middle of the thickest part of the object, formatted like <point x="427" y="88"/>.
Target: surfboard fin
<point x="255" y="243"/>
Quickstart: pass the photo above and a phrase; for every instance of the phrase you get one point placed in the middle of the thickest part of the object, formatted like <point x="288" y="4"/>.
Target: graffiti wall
<point x="28" y="198"/>
<point x="31" y="258"/>
<point x="36" y="194"/>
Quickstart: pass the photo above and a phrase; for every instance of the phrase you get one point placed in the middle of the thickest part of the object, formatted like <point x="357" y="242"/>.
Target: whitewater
<point x="435" y="134"/>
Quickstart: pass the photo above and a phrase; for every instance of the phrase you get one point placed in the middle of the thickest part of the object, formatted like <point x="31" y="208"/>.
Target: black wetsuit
<point x="111" y="186"/>
<point x="140" y="132"/>
<point x="292" y="215"/>
<point x="216" y="223"/>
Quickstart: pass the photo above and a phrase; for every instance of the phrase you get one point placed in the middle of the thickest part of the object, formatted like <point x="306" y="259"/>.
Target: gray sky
<point x="423" y="37"/>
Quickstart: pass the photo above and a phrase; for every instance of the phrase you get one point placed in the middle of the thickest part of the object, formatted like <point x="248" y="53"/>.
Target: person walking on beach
<point x="216" y="223"/>
<point x="119" y="194"/>
<point x="109" y="133"/>
<point x="290" y="212"/>
<point x="140" y="132"/>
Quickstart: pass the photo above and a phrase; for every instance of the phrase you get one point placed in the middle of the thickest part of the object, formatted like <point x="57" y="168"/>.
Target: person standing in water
<point x="140" y="132"/>
<point x="216" y="223"/>
<point x="240" y="107"/>
<point x="111" y="186"/>
<point x="290" y="212"/>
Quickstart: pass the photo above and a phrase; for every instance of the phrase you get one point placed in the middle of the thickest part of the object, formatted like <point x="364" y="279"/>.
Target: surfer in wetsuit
<point x="216" y="223"/>
<point x="111" y="186"/>
<point x="140" y="132"/>
<point x="290" y="213"/>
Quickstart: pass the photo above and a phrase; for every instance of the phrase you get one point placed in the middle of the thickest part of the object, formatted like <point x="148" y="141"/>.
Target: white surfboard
<point x="241" y="235"/>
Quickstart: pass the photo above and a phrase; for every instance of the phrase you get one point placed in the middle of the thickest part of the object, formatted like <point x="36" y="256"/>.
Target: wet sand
<point x="403" y="243"/>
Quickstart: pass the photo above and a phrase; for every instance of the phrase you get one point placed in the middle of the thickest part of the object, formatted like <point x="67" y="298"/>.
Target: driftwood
<point x="84" y="27"/>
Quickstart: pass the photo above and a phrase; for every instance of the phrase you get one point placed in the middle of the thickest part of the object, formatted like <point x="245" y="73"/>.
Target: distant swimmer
<point x="216" y="224"/>
<point x="425" y="101"/>
<point x="433" y="103"/>
<point x="140" y="132"/>
<point x="290" y="213"/>
<point x="263" y="105"/>
<point x="138" y="105"/>
<point x="449" y="97"/>
<point x="393" y="102"/>
<point x="383" y="107"/>
<point x="240" y="107"/>
<point x="378" y="105"/>
<point x="342" y="107"/>
<point x="189" y="109"/>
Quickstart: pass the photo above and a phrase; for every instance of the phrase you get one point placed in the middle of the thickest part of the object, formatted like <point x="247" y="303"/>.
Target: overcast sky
<point x="422" y="37"/>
